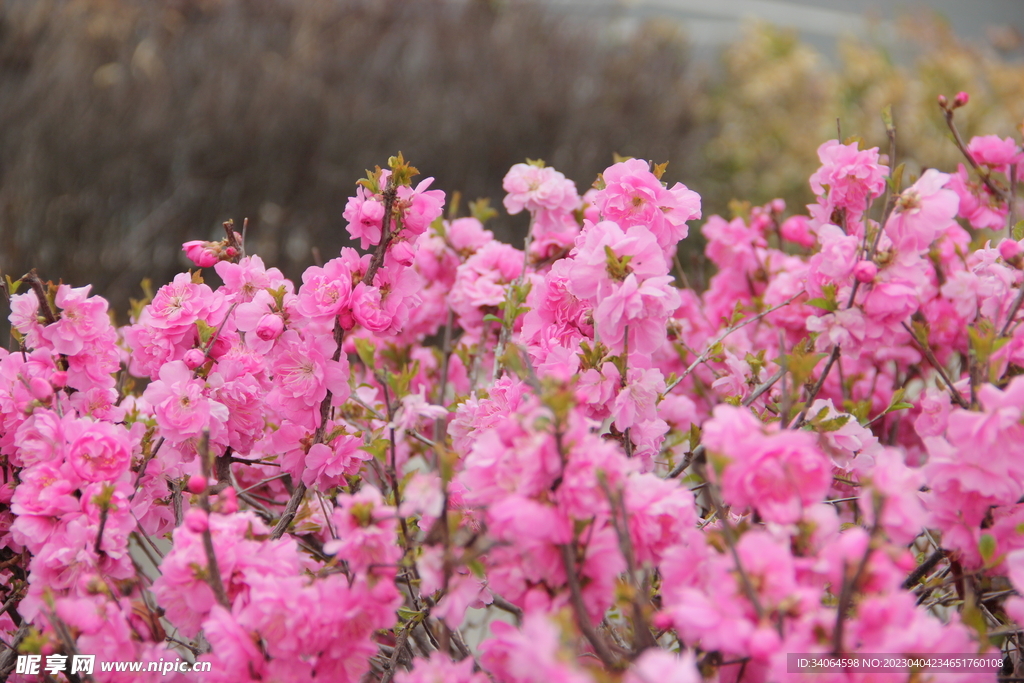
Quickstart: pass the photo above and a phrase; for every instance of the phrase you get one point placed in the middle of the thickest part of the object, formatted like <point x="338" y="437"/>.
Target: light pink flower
<point x="538" y="187"/>
<point x="181" y="406"/>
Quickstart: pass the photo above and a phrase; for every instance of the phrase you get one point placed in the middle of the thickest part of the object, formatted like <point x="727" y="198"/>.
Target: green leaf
<point x="482" y="210"/>
<point x="378" y="448"/>
<point x="887" y="118"/>
<point x="824" y="304"/>
<point x="1018" y="231"/>
<point x="490" y="317"/>
<point x="366" y="350"/>
<point x="987" y="547"/>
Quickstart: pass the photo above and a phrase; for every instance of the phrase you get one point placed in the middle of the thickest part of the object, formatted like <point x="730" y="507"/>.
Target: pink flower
<point x="922" y="212"/>
<point x="480" y="282"/>
<point x="605" y="255"/>
<point x="529" y="655"/>
<point x="98" y="451"/>
<point x="838" y="254"/>
<point x="978" y="204"/>
<point x="269" y="327"/>
<point x="538" y="187"/>
<point x="848" y="176"/>
<point x="994" y="152"/>
<point x="439" y="668"/>
<point x="366" y="532"/>
<point x="327" y="464"/>
<point x="643" y="308"/>
<point x="304" y="372"/>
<point x="420" y="206"/>
<point x="82" y="319"/>
<point x="182" y="409"/>
<point x="778" y="474"/>
<point x="180" y="303"/>
<point x="326" y="291"/>
<point x="659" y="666"/>
<point x="633" y="196"/>
<point x="365" y="216"/>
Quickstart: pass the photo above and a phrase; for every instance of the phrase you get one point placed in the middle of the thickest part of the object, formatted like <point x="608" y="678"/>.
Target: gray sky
<point x="711" y="23"/>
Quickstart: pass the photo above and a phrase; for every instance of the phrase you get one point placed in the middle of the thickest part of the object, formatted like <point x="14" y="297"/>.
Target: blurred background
<point x="130" y="126"/>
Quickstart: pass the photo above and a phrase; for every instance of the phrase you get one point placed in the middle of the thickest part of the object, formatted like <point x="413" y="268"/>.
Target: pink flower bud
<point x="219" y="348"/>
<point x="1009" y="250"/>
<point x="778" y="205"/>
<point x="196" y="484"/>
<point x="231" y="252"/>
<point x="962" y="98"/>
<point x="197" y="521"/>
<point x="228" y="501"/>
<point x="199" y="253"/>
<point x="943" y="101"/>
<point x="269" y="327"/>
<point x="58" y="379"/>
<point x="40" y="388"/>
<point x="194" y="358"/>
<point x="865" y="271"/>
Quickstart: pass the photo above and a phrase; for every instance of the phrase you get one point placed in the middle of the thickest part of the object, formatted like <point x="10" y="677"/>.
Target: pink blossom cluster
<point x="450" y="459"/>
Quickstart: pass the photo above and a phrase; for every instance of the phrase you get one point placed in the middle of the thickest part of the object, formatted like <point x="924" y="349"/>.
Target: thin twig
<point x="580" y="609"/>
<point x="926" y="349"/>
<point x="813" y="394"/>
<point x="707" y="352"/>
<point x="982" y="173"/>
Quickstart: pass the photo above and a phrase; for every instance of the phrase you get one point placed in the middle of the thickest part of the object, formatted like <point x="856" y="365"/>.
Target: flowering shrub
<point x="820" y="454"/>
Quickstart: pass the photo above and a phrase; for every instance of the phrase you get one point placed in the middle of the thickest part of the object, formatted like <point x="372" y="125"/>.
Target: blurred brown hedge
<point x="129" y="126"/>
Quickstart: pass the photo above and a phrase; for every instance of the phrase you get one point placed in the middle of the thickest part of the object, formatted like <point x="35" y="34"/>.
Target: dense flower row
<point x="821" y="453"/>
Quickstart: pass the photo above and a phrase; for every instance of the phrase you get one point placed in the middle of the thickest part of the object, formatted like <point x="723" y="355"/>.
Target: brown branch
<point x="929" y="564"/>
<point x="325" y="408"/>
<point x="707" y="352"/>
<point x="642" y="638"/>
<point x="926" y="349"/>
<point x="850" y="587"/>
<point x="985" y="176"/>
<point x="390" y="194"/>
<point x="813" y="394"/>
<point x="582" y="618"/>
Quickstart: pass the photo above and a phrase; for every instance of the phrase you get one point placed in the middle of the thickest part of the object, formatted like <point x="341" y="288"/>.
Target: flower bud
<point x="962" y="98"/>
<point x="219" y="348"/>
<point x="194" y="358"/>
<point x="269" y="327"/>
<point x="865" y="271"/>
<point x="196" y="484"/>
<point x="228" y="501"/>
<point x="59" y="379"/>
<point x="197" y="521"/>
<point x="40" y="388"/>
<point x="1009" y="250"/>
<point x="199" y="253"/>
<point x="943" y="101"/>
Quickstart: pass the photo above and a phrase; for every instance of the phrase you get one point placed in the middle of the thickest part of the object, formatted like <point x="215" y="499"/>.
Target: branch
<point x="325" y="408"/>
<point x="982" y="173"/>
<point x="390" y="194"/>
<point x="929" y="564"/>
<point x="642" y="638"/>
<point x="817" y="387"/>
<point x="707" y="352"/>
<point x="850" y="587"/>
<point x="926" y="348"/>
<point x="582" y="618"/>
